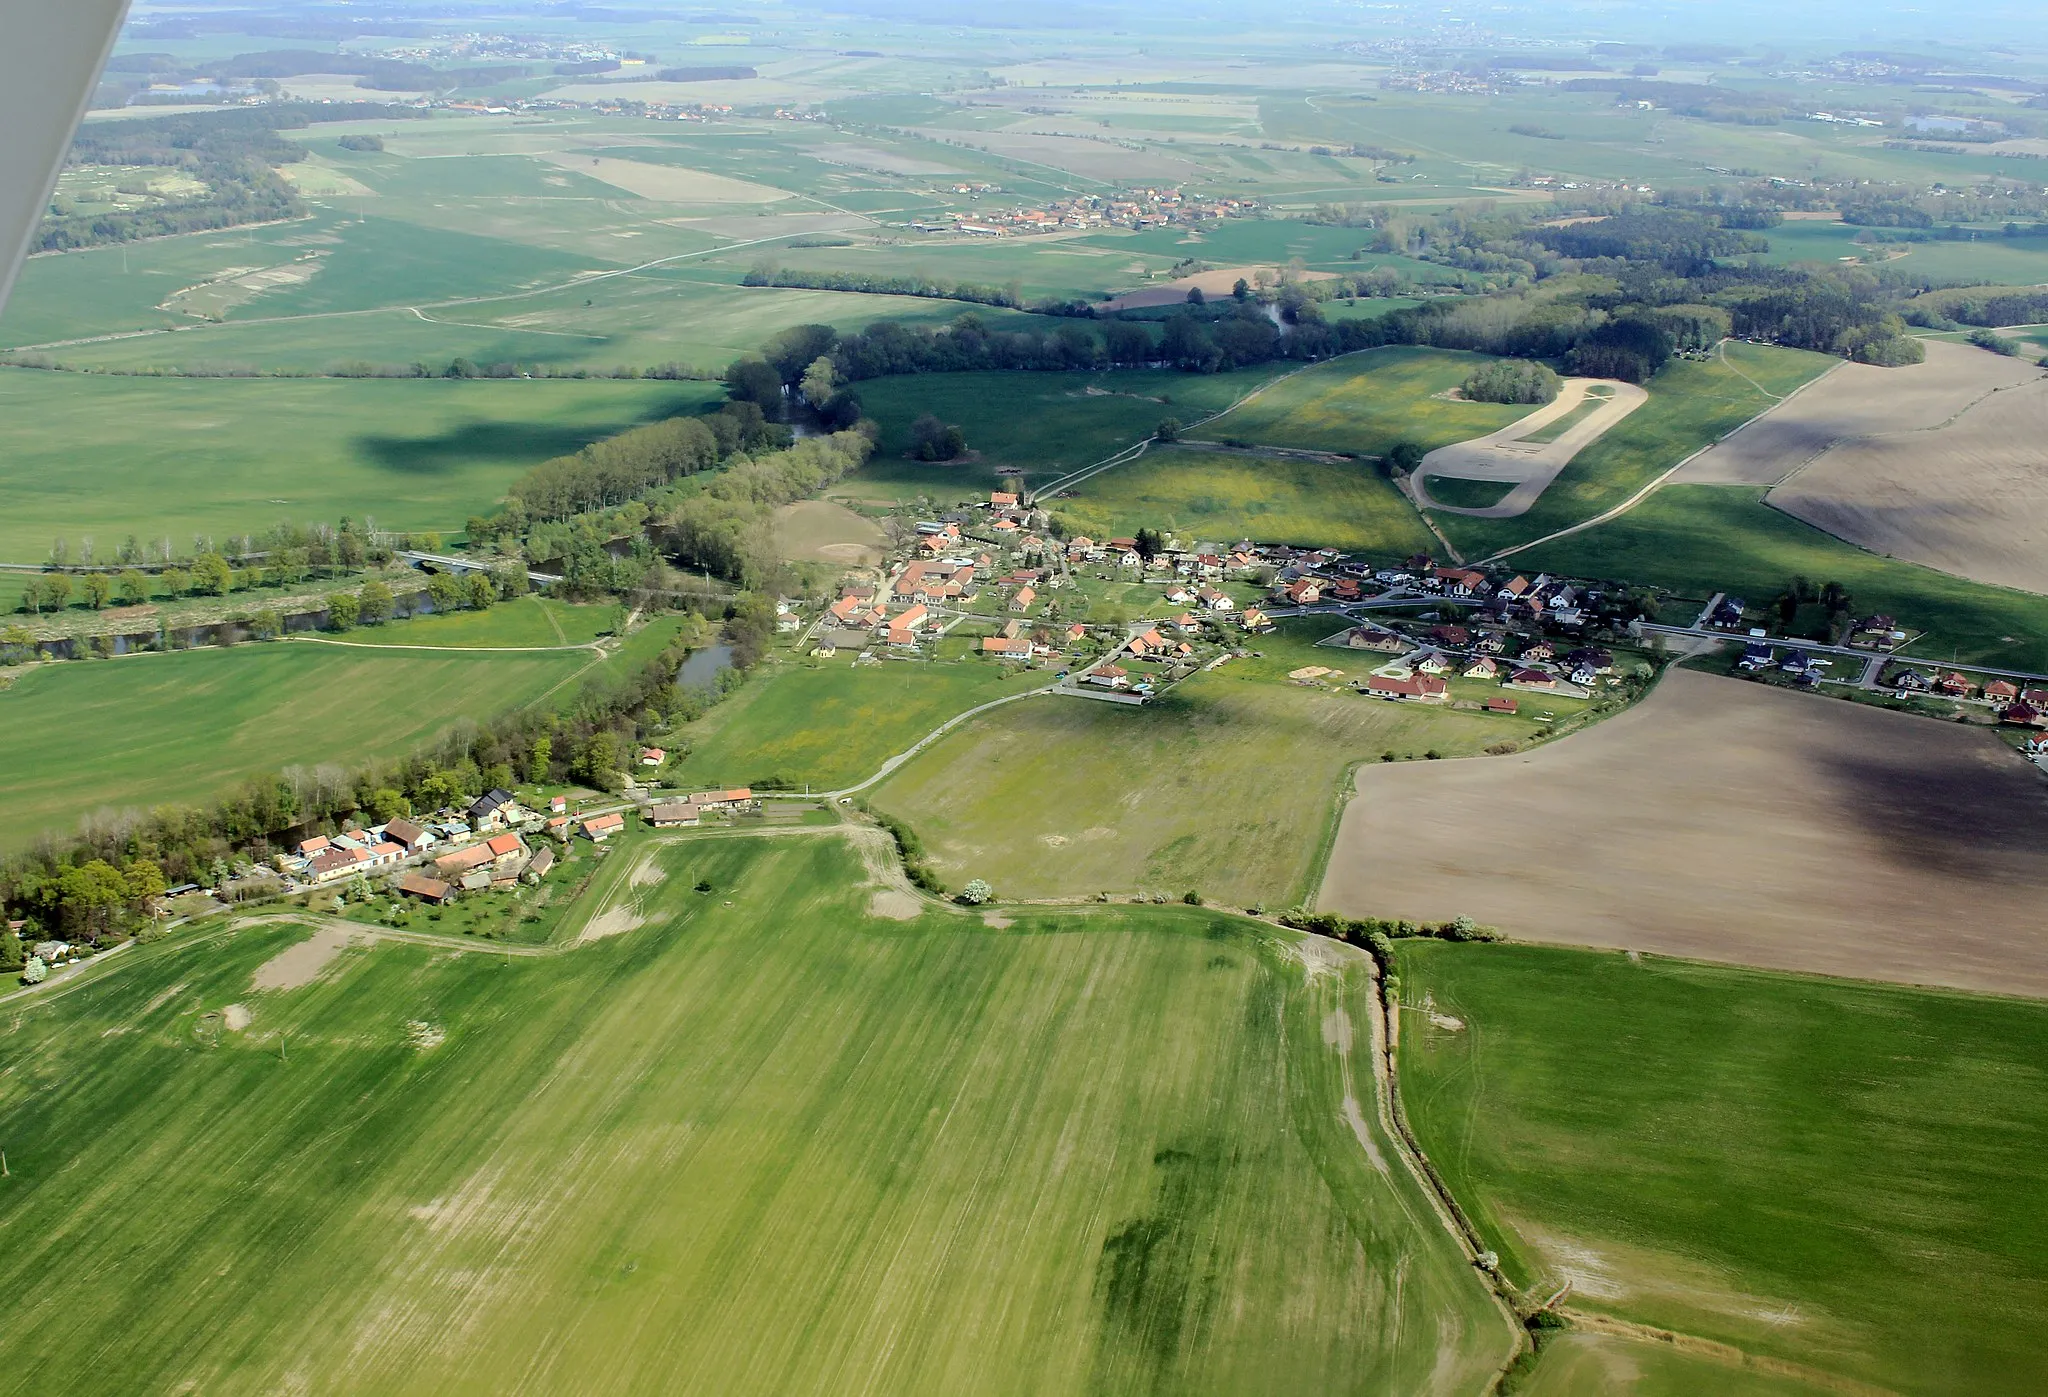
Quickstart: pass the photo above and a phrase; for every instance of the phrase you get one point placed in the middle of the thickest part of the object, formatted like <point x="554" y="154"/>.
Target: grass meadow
<point x="1225" y="496"/>
<point x="1700" y="539"/>
<point x="107" y="457"/>
<point x="1362" y="404"/>
<point x="765" y="1142"/>
<point x="86" y="736"/>
<point x="829" y="723"/>
<point x="1692" y="405"/>
<point x="1229" y="786"/>
<point x="1833" y="1173"/>
<point x="525" y="624"/>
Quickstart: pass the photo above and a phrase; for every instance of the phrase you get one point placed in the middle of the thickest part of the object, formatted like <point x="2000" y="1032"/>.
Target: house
<point x="1482" y="668"/>
<point x="846" y="608"/>
<point x="1214" y="600"/>
<point x="898" y="636"/>
<point x="673" y="813"/>
<point x="318" y="844"/>
<point x="330" y="864"/>
<point x="558" y="828"/>
<point x="1179" y="596"/>
<point x="1955" y="686"/>
<point x="2021" y="714"/>
<point x="999" y="499"/>
<point x="2001" y="691"/>
<point x="1457" y="637"/>
<point x="1109" y="677"/>
<point x="1591" y="657"/>
<point x="1432" y="662"/>
<point x="1460" y="582"/>
<point x="1501" y="705"/>
<point x="1757" y="655"/>
<point x="1023" y="599"/>
<point x="652" y="756"/>
<point x="1912" y="681"/>
<point x="1076" y="632"/>
<point x="463" y="861"/>
<point x="558" y="805"/>
<point x="1148" y="645"/>
<point x="1305" y="592"/>
<point x="1532" y="679"/>
<point x="1419" y="688"/>
<point x="413" y="883"/>
<point x="494" y="809"/>
<point x="1370" y="637"/>
<point x="1255" y="620"/>
<point x="409" y="836"/>
<point x="739" y="798"/>
<point x="476" y="880"/>
<point x="506" y="849"/>
<point x="1541" y="650"/>
<point x="599" y="828"/>
<point x="1515" y="589"/>
<point x="1489" y="643"/>
<point x="537" y="867"/>
<point x="1012" y="647"/>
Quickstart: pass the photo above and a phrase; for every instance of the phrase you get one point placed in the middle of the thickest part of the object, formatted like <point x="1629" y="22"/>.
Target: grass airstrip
<point x="765" y="1141"/>
<point x="1836" y="1174"/>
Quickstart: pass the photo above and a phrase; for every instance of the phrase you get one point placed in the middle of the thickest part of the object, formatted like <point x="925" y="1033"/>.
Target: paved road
<point x="1872" y="663"/>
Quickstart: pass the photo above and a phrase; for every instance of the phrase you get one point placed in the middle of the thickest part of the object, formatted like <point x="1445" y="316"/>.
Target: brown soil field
<point x="1969" y="497"/>
<point x="1215" y="285"/>
<point x="1727" y="821"/>
<point x="1853" y="400"/>
<point x="829" y="533"/>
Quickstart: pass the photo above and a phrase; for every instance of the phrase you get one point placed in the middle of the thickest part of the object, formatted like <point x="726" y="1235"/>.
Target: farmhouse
<point x="599" y="828"/>
<point x="463" y="861"/>
<point x="413" y="883"/>
<point x="739" y="798"/>
<point x="408" y="836"/>
<point x="506" y="850"/>
<point x="652" y="756"/>
<point x="1419" y="688"/>
<point x="494" y="809"/>
<point x="674" y="813"/>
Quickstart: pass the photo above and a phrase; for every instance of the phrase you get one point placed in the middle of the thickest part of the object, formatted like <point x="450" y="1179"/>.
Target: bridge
<point x="441" y="562"/>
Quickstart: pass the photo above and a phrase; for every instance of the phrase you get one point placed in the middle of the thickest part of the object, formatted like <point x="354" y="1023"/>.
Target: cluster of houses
<point x="2022" y="707"/>
<point x="1423" y="667"/>
<point x="1130" y="208"/>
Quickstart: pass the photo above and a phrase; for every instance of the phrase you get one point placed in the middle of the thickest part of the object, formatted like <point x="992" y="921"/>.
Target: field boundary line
<point x="1726" y="1354"/>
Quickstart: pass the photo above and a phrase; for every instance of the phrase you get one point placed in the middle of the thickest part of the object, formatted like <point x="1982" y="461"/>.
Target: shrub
<point x="1191" y="898"/>
<point x="35" y="972"/>
<point x="1995" y="342"/>
<point x="977" y="892"/>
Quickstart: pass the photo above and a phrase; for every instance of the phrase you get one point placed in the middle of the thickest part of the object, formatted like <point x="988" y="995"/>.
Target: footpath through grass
<point x="1701" y="539"/>
<point x="764" y="1142"/>
<point x="1692" y="405"/>
<point x="1843" y="1175"/>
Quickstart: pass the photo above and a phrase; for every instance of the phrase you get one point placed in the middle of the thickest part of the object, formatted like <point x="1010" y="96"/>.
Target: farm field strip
<point x="1521" y="452"/>
<point x="1098" y="1150"/>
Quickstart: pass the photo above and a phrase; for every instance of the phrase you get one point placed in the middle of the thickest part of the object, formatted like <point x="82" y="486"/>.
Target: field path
<point x="888" y="767"/>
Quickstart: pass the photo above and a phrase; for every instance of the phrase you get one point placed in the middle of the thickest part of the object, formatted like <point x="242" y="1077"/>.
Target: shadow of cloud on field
<point x="1940" y="809"/>
<point x="480" y="442"/>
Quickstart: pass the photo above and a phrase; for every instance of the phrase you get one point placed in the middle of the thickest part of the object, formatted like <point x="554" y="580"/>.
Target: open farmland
<point x="1731" y="822"/>
<point x="1853" y="401"/>
<point x="1222" y="496"/>
<point x="1362" y="404"/>
<point x="1840" y="1176"/>
<point x="831" y="724"/>
<point x="1226" y="787"/>
<point x="107" y="457"/>
<point x="151" y="729"/>
<point x="529" y="623"/>
<point x="1692" y="404"/>
<point x="764" y="1142"/>
<point x="1968" y="496"/>
<point x="821" y="531"/>
<point x="1531" y="452"/>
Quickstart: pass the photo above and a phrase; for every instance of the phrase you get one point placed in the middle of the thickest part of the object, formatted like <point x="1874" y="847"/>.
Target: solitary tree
<point x="98" y="589"/>
<point x="977" y="892"/>
<point x="343" y="610"/>
<point x="374" y="607"/>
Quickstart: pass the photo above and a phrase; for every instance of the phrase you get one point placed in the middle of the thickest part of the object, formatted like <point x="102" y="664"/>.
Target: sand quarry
<point x="1532" y="465"/>
<point x="1727" y="821"/>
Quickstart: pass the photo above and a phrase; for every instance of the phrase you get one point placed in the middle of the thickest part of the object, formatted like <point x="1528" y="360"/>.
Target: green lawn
<point x="528" y="623"/>
<point x="1843" y="1175"/>
<point x="830" y="724"/>
<point x="128" y="734"/>
<point x="1691" y="405"/>
<point x="1227" y="786"/>
<point x="1222" y="497"/>
<point x="90" y="455"/>
<point x="766" y="1143"/>
<point x="1362" y="404"/>
<point x="1701" y="539"/>
<point x="1045" y="423"/>
<point x="1468" y="494"/>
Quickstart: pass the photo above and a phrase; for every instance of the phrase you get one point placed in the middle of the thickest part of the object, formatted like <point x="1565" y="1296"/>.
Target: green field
<point x="1044" y="423"/>
<point x="1700" y="539"/>
<point x="1227" y="786"/>
<point x="106" y="457"/>
<point x="830" y="724"/>
<point x="1692" y="405"/>
<point x="127" y="734"/>
<point x="1362" y="404"/>
<point x="1222" y="497"/>
<point x="1841" y="1175"/>
<point x="1468" y="494"/>
<point x="526" y="624"/>
<point x="767" y="1143"/>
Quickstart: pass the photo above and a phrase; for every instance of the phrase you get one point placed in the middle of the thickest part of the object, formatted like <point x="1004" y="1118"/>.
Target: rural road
<point x="927" y="740"/>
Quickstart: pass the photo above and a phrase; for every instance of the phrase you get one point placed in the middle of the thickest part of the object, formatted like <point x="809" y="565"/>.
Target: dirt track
<point x="1850" y="401"/>
<point x="1503" y="455"/>
<point x="1726" y="821"/>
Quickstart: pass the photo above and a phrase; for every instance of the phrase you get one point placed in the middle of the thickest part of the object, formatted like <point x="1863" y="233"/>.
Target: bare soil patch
<point x="301" y="964"/>
<point x="1214" y="285"/>
<point x="1731" y="822"/>
<point x="1853" y="401"/>
<point x="1969" y="497"/>
<point x="235" y="1017"/>
<point x="828" y="532"/>
<point x="893" y="904"/>
<point x="667" y="184"/>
